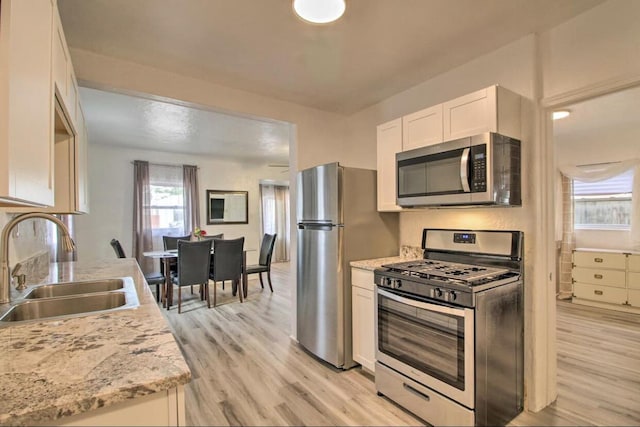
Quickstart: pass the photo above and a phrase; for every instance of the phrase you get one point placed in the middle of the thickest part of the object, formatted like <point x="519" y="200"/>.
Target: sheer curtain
<point x="275" y="217"/>
<point x="142" y="240"/>
<point x="602" y="171"/>
<point x="191" y="201"/>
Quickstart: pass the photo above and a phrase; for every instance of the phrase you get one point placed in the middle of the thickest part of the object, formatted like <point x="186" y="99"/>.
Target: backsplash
<point x="410" y="252"/>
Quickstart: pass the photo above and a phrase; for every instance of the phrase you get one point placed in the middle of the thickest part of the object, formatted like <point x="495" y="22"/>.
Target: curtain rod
<point x="167" y="164"/>
<point x="598" y="164"/>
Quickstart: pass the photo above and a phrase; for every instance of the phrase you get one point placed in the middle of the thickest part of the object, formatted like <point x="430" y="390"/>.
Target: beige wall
<point x="111" y="197"/>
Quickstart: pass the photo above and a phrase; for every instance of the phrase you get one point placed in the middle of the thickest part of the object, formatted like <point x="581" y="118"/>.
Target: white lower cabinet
<point x="164" y="408"/>
<point x="363" y="320"/>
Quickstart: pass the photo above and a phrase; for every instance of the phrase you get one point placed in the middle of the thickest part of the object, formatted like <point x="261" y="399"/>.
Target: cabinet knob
<point x="597" y="292"/>
<point x="598" y="260"/>
<point x="597" y="276"/>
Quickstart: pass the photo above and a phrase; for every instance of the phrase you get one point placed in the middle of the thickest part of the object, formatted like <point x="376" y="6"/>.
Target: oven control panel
<point x="407" y="286"/>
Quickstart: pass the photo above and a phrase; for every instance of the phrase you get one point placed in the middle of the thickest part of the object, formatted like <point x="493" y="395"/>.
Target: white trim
<point x="591" y="91"/>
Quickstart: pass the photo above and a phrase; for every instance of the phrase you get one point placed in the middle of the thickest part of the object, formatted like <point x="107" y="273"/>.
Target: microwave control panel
<point x="478" y="155"/>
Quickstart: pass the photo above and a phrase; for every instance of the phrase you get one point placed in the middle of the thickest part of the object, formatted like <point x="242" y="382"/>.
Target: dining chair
<point x="193" y="267"/>
<point x="264" y="260"/>
<point x="171" y="243"/>
<point x="151" y="278"/>
<point x="214" y="236"/>
<point x="227" y="263"/>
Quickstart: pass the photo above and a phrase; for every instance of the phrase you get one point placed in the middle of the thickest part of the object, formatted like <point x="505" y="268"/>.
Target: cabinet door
<point x="82" y="162"/>
<point x="364" y="349"/>
<point x="60" y="59"/>
<point x="26" y="107"/>
<point x="422" y="128"/>
<point x="634" y="263"/>
<point x="389" y="142"/>
<point x="470" y="114"/>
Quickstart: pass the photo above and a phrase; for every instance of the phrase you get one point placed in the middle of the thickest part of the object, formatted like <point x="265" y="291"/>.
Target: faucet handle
<point x="16" y="268"/>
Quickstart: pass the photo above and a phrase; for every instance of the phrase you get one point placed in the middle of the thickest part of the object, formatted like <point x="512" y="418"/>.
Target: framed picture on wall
<point x="227" y="207"/>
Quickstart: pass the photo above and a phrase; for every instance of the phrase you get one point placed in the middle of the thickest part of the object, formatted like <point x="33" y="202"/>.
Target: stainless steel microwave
<point x="478" y="170"/>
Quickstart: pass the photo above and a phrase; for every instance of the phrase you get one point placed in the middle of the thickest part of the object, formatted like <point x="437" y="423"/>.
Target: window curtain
<point x="568" y="242"/>
<point x="601" y="171"/>
<point x="191" y="201"/>
<point x="142" y="239"/>
<point x="275" y="218"/>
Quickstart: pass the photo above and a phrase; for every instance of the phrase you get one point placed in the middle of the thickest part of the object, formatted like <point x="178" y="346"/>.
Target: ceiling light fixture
<point x="560" y="114"/>
<point x="319" y="11"/>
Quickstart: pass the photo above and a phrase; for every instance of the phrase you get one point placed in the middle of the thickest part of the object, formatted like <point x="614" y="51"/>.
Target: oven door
<point x="432" y="344"/>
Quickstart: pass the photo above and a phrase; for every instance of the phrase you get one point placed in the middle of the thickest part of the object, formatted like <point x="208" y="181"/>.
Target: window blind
<point x="619" y="184"/>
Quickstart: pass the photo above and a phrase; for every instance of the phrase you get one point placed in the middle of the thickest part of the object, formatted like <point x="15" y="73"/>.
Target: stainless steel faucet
<point x="5" y="278"/>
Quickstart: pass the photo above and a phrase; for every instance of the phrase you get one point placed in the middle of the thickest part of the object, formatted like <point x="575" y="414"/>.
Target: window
<point x="167" y="202"/>
<point x="603" y="204"/>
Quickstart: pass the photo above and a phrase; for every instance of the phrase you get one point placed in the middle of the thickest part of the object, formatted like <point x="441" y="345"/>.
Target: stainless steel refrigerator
<point x="338" y="222"/>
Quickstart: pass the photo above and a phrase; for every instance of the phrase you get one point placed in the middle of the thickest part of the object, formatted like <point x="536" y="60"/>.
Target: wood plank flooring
<point x="247" y="370"/>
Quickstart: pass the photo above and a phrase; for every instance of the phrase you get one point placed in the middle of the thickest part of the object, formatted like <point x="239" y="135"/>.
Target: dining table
<point x="165" y="256"/>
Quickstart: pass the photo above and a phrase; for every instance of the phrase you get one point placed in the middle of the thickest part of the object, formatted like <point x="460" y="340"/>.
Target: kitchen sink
<point x="71" y="299"/>
<point x="75" y="288"/>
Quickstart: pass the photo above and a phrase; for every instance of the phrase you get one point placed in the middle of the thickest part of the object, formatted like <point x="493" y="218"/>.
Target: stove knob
<point x="437" y="292"/>
<point x="398" y="284"/>
<point x="452" y="295"/>
<point x="387" y="282"/>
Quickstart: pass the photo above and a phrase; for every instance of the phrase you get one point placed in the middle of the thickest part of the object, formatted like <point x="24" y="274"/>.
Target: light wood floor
<point x="247" y="370"/>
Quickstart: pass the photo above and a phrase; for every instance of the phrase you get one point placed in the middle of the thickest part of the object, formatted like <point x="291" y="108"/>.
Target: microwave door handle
<point x="464" y="170"/>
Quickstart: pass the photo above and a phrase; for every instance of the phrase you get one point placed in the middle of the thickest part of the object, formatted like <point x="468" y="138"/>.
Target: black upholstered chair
<point x="193" y="267"/>
<point x="151" y="278"/>
<point x="264" y="261"/>
<point x="171" y="243"/>
<point x="227" y="263"/>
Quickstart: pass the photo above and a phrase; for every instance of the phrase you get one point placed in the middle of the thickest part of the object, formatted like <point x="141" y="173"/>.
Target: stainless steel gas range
<point x="449" y="328"/>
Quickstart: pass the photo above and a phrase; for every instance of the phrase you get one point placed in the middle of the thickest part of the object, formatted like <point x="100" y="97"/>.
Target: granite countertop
<point x="59" y="367"/>
<point x="406" y="253"/>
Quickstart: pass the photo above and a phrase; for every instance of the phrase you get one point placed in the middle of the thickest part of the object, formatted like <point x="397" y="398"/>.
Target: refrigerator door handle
<point x="321" y="227"/>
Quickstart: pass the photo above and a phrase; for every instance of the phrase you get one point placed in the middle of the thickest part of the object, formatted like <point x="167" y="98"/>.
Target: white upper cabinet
<point x="389" y="142"/>
<point x="26" y="110"/>
<point x="422" y="128"/>
<point x="493" y="109"/>
<point x="63" y="128"/>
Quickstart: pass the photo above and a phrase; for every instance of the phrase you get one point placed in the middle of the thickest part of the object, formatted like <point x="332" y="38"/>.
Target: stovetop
<point x="463" y="274"/>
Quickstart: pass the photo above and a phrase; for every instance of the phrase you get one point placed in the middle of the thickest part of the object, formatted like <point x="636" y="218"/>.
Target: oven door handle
<point x="460" y="312"/>
<point x="464" y="170"/>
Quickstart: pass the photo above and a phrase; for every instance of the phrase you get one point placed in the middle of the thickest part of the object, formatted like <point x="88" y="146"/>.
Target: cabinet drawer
<point x="634" y="297"/>
<point x="600" y="293"/>
<point x="599" y="260"/>
<point x="362" y="278"/>
<point x="634" y="263"/>
<point x="599" y="276"/>
<point x="633" y="280"/>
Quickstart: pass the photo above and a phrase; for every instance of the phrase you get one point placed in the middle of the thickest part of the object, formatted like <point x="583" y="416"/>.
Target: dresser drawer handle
<point x="598" y="260"/>
<point x="598" y="292"/>
<point x="597" y="276"/>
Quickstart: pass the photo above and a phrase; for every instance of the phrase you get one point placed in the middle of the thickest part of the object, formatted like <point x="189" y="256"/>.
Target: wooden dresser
<point x="606" y="278"/>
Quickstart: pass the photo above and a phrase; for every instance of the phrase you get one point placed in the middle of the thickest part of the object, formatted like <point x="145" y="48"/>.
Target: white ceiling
<point x="377" y="49"/>
<point x="607" y="118"/>
<point x="147" y="124"/>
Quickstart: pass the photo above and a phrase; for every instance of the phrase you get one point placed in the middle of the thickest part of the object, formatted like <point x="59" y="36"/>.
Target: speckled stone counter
<point x="406" y="253"/>
<point x="55" y="368"/>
